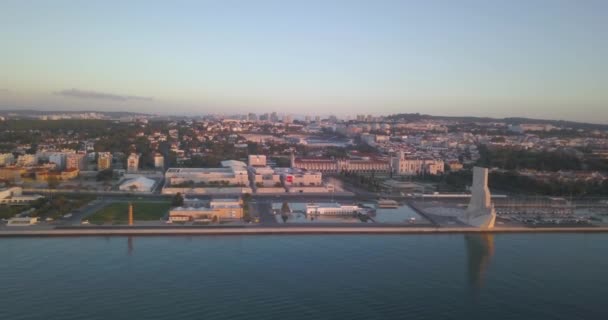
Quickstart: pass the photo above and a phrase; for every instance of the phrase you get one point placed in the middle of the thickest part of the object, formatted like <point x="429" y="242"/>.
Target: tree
<point x="105" y="175"/>
<point x="285" y="208"/>
<point x="178" y="200"/>
<point x="53" y="182"/>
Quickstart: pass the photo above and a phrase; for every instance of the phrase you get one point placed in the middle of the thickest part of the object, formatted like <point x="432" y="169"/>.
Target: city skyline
<point x="542" y="60"/>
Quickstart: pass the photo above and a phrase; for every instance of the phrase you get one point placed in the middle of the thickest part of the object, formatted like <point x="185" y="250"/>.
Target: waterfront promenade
<point x="169" y="231"/>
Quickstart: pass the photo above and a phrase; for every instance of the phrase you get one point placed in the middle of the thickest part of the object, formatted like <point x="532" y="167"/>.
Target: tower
<point x="480" y="212"/>
<point x="130" y="213"/>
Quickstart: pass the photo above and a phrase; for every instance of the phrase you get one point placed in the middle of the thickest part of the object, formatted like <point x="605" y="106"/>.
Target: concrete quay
<point x="177" y="231"/>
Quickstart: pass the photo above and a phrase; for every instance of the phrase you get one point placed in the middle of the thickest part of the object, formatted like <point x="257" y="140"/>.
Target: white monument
<point x="480" y="212"/>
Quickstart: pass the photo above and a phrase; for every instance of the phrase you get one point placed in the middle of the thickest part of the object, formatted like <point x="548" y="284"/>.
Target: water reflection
<point x="480" y="249"/>
<point x="130" y="245"/>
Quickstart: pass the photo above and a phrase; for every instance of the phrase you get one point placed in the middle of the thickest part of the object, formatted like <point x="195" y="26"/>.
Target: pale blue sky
<point x="490" y="58"/>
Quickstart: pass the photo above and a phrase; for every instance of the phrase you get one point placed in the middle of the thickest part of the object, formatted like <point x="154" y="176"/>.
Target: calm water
<point x="530" y="276"/>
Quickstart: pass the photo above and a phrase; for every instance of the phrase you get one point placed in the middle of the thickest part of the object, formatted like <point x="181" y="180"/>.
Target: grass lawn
<point x="118" y="213"/>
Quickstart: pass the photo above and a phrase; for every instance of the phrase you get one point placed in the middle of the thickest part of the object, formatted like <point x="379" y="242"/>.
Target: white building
<point x="226" y="176"/>
<point x="14" y="195"/>
<point x="22" y="221"/>
<point x="7" y="159"/>
<point x="299" y="177"/>
<point x="159" y="161"/>
<point x="257" y="160"/>
<point x="332" y="209"/>
<point x="133" y="162"/>
<point x="139" y="184"/>
<point x="264" y="177"/>
<point x="403" y="165"/>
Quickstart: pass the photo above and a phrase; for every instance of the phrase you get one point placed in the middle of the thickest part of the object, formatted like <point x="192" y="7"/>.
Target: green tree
<point x="285" y="208"/>
<point x="178" y="200"/>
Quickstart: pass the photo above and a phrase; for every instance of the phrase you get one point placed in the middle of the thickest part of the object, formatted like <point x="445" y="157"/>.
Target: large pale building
<point x="264" y="177"/>
<point x="403" y="165"/>
<point x="133" y="162"/>
<point x="217" y="209"/>
<point x="362" y="165"/>
<point x="104" y="161"/>
<point x="332" y="209"/>
<point x="209" y="177"/>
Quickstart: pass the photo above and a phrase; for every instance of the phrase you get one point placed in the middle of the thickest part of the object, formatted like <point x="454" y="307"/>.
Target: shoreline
<point x="82" y="232"/>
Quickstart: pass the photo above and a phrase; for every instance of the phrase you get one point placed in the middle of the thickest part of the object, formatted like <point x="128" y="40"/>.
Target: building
<point x="7" y="159"/>
<point x="360" y="165"/>
<point x="76" y="161"/>
<point x="22" y="221"/>
<point x="480" y="212"/>
<point x="264" y="177"/>
<point x="45" y="174"/>
<point x="133" y="162"/>
<point x="403" y="165"/>
<point x="104" y="161"/>
<point x="332" y="209"/>
<point x="257" y="160"/>
<point x="138" y="184"/>
<point x="300" y="177"/>
<point x="14" y="196"/>
<point x="226" y="176"/>
<point x="455" y="166"/>
<point x="215" y="210"/>
<point x="59" y="159"/>
<point x="159" y="161"/>
<point x="27" y="160"/>
<point x="12" y="173"/>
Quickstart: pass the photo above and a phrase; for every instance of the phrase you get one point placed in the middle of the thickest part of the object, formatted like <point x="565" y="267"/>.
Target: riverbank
<point x="170" y="231"/>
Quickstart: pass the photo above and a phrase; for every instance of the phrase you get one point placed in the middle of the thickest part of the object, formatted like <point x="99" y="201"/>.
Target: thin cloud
<point x="85" y="94"/>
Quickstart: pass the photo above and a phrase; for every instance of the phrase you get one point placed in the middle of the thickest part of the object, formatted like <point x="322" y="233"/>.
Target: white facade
<point x="139" y="184"/>
<point x="264" y="177"/>
<point x="406" y="166"/>
<point x="257" y="160"/>
<point x="208" y="176"/>
<point x="159" y="161"/>
<point x="133" y="162"/>
<point x="14" y="195"/>
<point x="333" y="209"/>
<point x="7" y="159"/>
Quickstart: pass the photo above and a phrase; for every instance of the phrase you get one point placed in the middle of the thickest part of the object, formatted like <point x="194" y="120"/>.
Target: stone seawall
<point x="121" y="231"/>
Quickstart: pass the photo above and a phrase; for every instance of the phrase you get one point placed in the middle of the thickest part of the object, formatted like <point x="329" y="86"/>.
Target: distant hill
<point x="34" y="113"/>
<point x="413" y="117"/>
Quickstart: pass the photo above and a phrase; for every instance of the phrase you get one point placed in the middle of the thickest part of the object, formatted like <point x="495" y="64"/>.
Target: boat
<point x="387" y="204"/>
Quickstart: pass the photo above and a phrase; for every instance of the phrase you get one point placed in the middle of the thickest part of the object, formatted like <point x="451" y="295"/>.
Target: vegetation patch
<point x="118" y="213"/>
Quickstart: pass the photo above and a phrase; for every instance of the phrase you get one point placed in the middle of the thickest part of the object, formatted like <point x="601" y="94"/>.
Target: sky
<point x="541" y="59"/>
